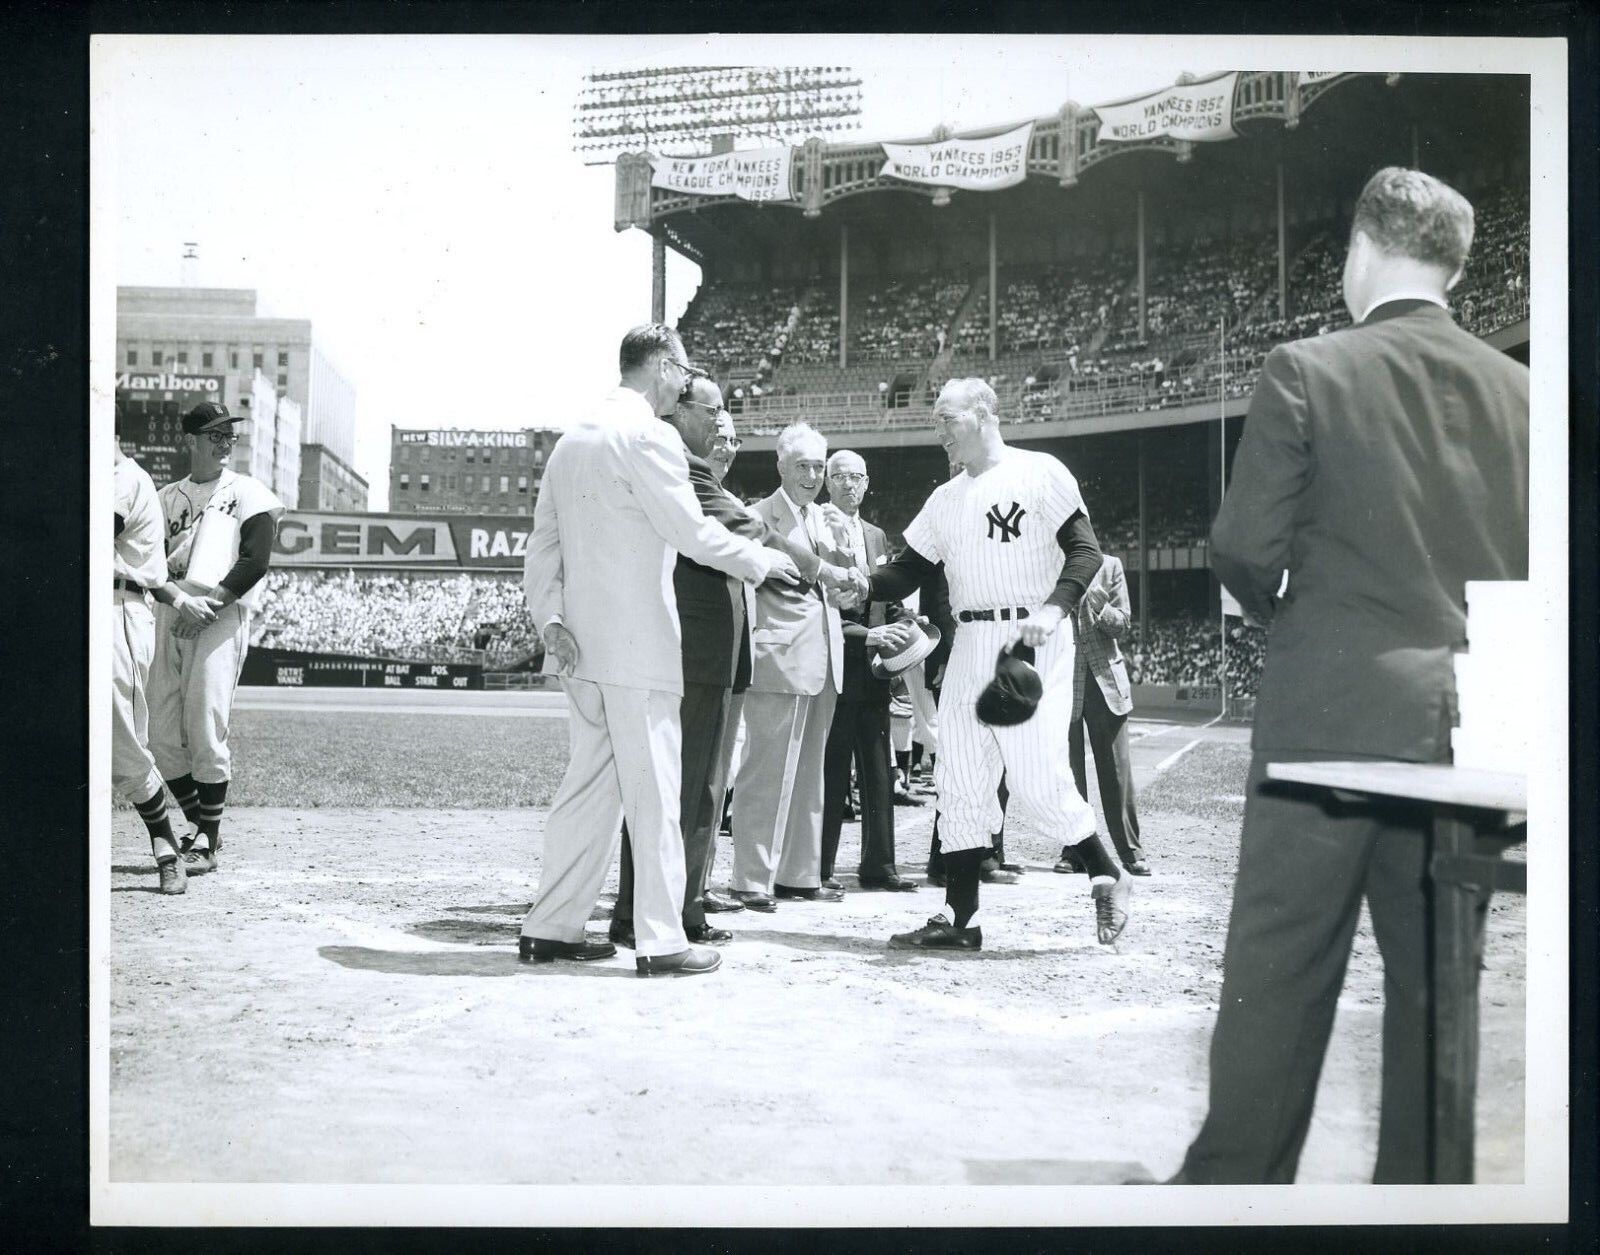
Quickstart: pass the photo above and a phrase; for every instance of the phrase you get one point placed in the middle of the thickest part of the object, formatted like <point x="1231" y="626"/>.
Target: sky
<point x="417" y="197"/>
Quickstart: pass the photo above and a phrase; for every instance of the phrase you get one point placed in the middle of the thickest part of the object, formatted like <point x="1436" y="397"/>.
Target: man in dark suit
<point x="1101" y="702"/>
<point x="1381" y="468"/>
<point x="716" y="649"/>
<point x="860" y="727"/>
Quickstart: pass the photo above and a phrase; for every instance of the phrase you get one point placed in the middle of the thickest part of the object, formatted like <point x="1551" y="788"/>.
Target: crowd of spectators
<point x="733" y="325"/>
<point x="1059" y="308"/>
<point x="406" y="617"/>
<point x="1494" y="289"/>
<point x="903" y="319"/>
<point x="1189" y="288"/>
<point x="1187" y="650"/>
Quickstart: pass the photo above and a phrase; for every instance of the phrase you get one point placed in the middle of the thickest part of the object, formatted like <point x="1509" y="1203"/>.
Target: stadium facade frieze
<point x="401" y="541"/>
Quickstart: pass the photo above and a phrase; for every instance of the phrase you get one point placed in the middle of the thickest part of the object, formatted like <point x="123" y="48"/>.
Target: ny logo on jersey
<point x="1008" y="525"/>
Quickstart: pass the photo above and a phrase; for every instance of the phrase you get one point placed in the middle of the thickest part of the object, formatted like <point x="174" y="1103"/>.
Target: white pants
<point x="924" y="710"/>
<point x="192" y="683"/>
<point x="1033" y="756"/>
<point x="777" y="796"/>
<point x="133" y="643"/>
<point x="626" y="762"/>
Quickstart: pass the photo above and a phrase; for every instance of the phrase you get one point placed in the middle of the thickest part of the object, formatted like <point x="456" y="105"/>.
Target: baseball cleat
<point x="174" y="879"/>
<point x="197" y="862"/>
<point x="1111" y="908"/>
<point x="938" y="934"/>
<point x="189" y="838"/>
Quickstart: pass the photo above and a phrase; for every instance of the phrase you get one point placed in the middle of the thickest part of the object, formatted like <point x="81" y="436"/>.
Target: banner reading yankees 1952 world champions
<point x="1201" y="111"/>
<point x="756" y="174"/>
<point x="977" y="165"/>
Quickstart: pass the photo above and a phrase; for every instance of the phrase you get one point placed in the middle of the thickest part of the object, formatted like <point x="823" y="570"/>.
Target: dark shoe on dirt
<point x="938" y="934"/>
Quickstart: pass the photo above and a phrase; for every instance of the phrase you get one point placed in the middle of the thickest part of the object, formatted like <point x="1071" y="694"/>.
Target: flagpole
<point x="1222" y="481"/>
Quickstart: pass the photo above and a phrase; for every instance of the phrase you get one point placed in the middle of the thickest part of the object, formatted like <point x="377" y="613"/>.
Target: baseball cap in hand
<point x="209" y="416"/>
<point x="1013" y="695"/>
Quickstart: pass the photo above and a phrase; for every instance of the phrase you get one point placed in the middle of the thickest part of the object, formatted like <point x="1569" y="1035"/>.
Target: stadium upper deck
<point x="1090" y="292"/>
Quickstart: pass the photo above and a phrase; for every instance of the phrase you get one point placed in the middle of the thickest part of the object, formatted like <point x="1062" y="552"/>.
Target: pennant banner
<point x="758" y="174"/>
<point x="974" y="165"/>
<point x="1202" y="112"/>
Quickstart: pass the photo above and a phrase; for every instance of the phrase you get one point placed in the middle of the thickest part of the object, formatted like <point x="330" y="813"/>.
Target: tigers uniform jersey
<point x="230" y="495"/>
<point x="995" y="533"/>
<point x="140" y="553"/>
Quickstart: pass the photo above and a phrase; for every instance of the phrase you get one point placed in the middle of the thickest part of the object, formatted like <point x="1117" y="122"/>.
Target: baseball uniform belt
<point x="1004" y="613"/>
<point x="128" y="586"/>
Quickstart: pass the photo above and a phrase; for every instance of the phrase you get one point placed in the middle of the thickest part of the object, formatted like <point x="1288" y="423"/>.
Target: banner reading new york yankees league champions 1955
<point x="757" y="174"/>
<point x="1202" y="112"/>
<point x="974" y="165"/>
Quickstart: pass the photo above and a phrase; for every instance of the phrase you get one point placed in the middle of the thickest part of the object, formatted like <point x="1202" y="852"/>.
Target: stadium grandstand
<point x="1120" y="297"/>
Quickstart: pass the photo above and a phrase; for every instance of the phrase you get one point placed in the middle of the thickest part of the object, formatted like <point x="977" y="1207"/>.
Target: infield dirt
<point x="342" y="1002"/>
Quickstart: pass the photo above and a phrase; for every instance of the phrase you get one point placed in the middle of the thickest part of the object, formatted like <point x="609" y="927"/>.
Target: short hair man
<point x="1382" y="467"/>
<point x="797" y="660"/>
<point x="860" y="727"/>
<point x="1014" y="539"/>
<point x="220" y="528"/>
<point x="716" y="659"/>
<point x="596" y="589"/>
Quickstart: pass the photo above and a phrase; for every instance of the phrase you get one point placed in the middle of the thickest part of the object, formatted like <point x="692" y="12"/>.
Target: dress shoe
<point x="715" y="903"/>
<point x="893" y="882"/>
<point x="755" y="901"/>
<point x="828" y="882"/>
<point x="706" y="934"/>
<point x="938" y="934"/>
<point x="1013" y="867"/>
<point x="538" y="950"/>
<point x="685" y="963"/>
<point x="818" y="894"/>
<point x="1069" y="864"/>
<point x="621" y="932"/>
<point x="1138" y="867"/>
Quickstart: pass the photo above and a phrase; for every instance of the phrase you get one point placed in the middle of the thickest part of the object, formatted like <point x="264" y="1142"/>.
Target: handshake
<point x="844" y="587"/>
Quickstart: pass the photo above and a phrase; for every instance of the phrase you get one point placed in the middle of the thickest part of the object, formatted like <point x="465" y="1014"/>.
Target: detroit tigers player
<point x="220" y="529"/>
<point x="1014" y="538"/>
<point x="140" y="567"/>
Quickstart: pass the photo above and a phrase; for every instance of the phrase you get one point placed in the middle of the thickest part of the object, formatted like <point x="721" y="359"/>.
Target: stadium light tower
<point x="688" y="109"/>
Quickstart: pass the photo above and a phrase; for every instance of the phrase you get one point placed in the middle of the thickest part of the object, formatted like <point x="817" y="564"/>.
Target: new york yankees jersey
<point x="996" y="532"/>
<point x="230" y="496"/>
<point x="140" y="555"/>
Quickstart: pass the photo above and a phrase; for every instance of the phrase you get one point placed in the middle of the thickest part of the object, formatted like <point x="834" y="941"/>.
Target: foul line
<point x="1176" y="755"/>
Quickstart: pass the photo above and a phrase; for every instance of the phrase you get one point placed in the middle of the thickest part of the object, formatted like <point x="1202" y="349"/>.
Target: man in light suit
<point x="797" y="665"/>
<point x="860" y="727"/>
<point x="1381" y="468"/>
<point x="716" y="657"/>
<point x="615" y="503"/>
<point x="1101" y="701"/>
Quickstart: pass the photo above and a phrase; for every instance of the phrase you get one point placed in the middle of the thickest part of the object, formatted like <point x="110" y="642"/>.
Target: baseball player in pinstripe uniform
<point x="1014" y="538"/>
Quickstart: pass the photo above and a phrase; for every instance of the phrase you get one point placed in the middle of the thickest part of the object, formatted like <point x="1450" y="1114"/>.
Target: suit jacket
<point x="1100" y="623"/>
<point x="614" y="510"/>
<point x="859" y="682"/>
<point x="796" y="635"/>
<point x="711" y="605"/>
<point x="1382" y="467"/>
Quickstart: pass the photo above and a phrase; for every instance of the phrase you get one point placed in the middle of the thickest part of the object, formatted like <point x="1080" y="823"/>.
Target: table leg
<point x="1454" y="1004"/>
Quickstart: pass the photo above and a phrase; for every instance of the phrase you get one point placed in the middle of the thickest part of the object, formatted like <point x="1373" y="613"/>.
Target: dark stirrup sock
<point x="153" y="810"/>
<point x="1092" y="852"/>
<point x="962" y="868"/>
<point x="187" y="795"/>
<point x="210" y="822"/>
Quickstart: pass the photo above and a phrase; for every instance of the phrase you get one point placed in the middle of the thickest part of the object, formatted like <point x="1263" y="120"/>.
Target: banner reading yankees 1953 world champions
<point x="976" y="165"/>
<point x="1200" y="111"/>
<point x="757" y="174"/>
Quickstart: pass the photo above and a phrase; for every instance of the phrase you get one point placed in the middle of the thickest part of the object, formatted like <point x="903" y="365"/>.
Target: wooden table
<point x="1470" y="833"/>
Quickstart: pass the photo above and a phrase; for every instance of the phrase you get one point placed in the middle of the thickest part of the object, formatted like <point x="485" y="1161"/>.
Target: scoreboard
<point x="153" y="406"/>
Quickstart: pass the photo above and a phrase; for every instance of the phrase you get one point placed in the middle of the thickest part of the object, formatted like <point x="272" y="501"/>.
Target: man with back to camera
<point x="1014" y="538"/>
<point x="716" y="656"/>
<point x="1382" y="466"/>
<point x="614" y="505"/>
<point x="139" y="566"/>
<point x="860" y="726"/>
<point x="220" y="528"/>
<point x="797" y="657"/>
